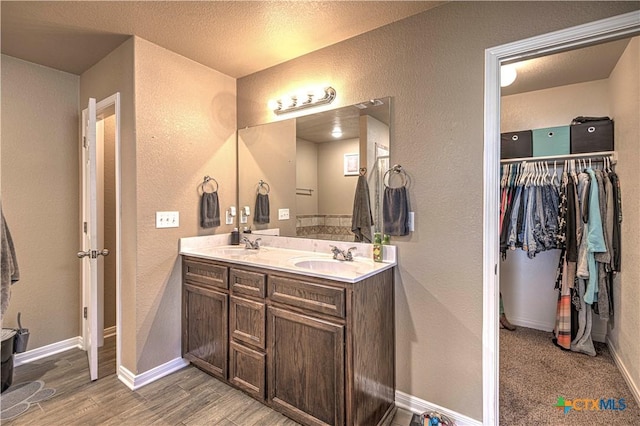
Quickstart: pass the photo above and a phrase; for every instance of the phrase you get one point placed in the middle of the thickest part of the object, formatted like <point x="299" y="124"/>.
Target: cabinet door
<point x="205" y="335"/>
<point x="246" y="369"/>
<point x="247" y="322"/>
<point x="306" y="367"/>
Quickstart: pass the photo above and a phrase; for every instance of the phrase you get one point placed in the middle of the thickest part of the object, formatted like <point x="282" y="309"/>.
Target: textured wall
<point x="39" y="195"/>
<point x="267" y="153"/>
<point x="625" y="103"/>
<point x="335" y="190"/>
<point x="185" y="129"/>
<point x="433" y="66"/>
<point x="114" y="73"/>
<point x="307" y="176"/>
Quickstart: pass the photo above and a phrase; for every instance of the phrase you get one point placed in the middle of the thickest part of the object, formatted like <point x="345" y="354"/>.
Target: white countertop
<point x="309" y="257"/>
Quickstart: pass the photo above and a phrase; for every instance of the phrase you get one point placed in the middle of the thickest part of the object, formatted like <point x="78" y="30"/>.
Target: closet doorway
<point x="561" y="41"/>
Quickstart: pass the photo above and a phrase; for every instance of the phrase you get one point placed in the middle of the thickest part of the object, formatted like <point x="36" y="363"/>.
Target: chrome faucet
<point x="251" y="245"/>
<point x="341" y="254"/>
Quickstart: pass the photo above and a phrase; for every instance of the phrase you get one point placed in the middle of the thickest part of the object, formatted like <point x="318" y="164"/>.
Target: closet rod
<point x="612" y="154"/>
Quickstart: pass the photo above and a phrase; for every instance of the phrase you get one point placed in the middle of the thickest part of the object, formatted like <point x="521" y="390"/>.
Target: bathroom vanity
<point x="310" y="336"/>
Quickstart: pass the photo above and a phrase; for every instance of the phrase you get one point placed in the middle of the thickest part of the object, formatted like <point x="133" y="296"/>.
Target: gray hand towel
<point x="209" y="210"/>
<point x="262" y="208"/>
<point x="361" y="220"/>
<point x="395" y="211"/>
<point x="9" y="264"/>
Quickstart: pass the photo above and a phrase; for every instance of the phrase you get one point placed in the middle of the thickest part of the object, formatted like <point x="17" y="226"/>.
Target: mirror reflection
<point x="298" y="177"/>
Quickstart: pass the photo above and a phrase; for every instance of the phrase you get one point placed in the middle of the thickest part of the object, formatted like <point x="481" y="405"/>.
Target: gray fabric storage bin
<point x="516" y="144"/>
<point x="591" y="136"/>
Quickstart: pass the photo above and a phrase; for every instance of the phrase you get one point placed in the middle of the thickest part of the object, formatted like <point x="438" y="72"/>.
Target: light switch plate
<point x="167" y="219"/>
<point x="411" y="221"/>
<point x="283" y="214"/>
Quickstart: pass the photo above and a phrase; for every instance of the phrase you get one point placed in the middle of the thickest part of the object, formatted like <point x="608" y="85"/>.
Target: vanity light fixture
<point x="508" y="75"/>
<point x="304" y="99"/>
<point x="336" y="132"/>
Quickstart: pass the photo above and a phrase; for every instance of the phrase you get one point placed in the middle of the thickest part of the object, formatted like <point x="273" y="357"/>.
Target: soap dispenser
<point x="377" y="247"/>
<point x="235" y="237"/>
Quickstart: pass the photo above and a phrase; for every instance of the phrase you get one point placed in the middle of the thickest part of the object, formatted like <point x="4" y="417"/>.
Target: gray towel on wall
<point x="209" y="210"/>
<point x="361" y="220"/>
<point x="9" y="264"/>
<point x="395" y="211"/>
<point x="262" y="209"/>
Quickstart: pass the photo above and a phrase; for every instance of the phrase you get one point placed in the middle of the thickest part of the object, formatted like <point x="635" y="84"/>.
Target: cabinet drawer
<point x="205" y="273"/>
<point x="247" y="370"/>
<point x="247" y="321"/>
<point x="247" y="283"/>
<point x="307" y="295"/>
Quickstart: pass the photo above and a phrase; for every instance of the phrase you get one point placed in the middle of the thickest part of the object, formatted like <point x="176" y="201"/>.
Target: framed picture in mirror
<point x="351" y="164"/>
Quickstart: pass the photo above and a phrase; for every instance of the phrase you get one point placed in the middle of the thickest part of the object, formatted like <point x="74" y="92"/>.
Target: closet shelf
<point x="612" y="154"/>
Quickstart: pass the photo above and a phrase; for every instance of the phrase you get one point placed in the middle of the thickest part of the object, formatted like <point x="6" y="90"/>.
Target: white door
<point x="90" y="251"/>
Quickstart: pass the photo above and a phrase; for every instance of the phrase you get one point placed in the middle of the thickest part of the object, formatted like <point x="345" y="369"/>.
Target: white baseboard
<point x="48" y="350"/>
<point x="529" y="323"/>
<point x="596" y="335"/>
<point x="634" y="387"/>
<point x="133" y="381"/>
<point x="417" y="405"/>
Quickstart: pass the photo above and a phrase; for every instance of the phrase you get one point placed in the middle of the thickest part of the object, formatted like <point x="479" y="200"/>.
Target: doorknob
<point x="93" y="254"/>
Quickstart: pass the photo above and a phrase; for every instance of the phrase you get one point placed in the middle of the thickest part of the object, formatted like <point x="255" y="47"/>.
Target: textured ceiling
<point x="236" y="38"/>
<point x="571" y="67"/>
<point x="239" y="38"/>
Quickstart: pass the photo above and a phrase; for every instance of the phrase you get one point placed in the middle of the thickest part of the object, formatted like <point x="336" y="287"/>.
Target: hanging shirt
<point x="595" y="239"/>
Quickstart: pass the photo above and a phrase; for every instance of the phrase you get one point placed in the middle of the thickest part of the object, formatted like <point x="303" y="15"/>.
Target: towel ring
<point x="363" y="171"/>
<point x="396" y="169"/>
<point x="261" y="185"/>
<point x="211" y="181"/>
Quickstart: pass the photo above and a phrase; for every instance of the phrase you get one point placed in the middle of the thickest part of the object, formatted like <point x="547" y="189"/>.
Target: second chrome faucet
<point x="251" y="245"/>
<point x="341" y="254"/>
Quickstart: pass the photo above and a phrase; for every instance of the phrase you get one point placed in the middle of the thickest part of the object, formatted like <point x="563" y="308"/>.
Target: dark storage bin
<point x="8" y="336"/>
<point x="591" y="136"/>
<point x="516" y="144"/>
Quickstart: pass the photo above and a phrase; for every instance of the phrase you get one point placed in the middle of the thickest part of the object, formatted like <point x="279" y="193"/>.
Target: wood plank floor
<point x="186" y="397"/>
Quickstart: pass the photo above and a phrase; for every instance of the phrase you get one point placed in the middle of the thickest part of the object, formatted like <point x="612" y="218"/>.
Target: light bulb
<point x="508" y="75"/>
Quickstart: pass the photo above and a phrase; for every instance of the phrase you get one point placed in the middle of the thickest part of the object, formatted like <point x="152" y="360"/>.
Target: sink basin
<point x="234" y="250"/>
<point x="326" y="265"/>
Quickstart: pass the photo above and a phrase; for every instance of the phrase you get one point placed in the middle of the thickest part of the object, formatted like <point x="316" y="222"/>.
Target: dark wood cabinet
<point x="247" y="370"/>
<point x="247" y="322"/>
<point x="320" y="351"/>
<point x="204" y="339"/>
<point x="306" y="367"/>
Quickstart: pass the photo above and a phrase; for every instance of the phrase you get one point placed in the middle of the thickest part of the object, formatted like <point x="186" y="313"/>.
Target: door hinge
<point x="84" y="227"/>
<point x="84" y="313"/>
<point x="84" y="141"/>
<point x="495" y="269"/>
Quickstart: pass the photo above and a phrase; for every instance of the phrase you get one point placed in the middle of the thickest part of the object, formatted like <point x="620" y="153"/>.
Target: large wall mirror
<point x="307" y="169"/>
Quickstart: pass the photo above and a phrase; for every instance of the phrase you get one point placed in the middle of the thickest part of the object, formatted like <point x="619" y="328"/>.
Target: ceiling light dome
<point x="508" y="75"/>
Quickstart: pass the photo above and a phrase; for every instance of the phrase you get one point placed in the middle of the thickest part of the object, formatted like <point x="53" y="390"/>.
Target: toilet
<point x="8" y="338"/>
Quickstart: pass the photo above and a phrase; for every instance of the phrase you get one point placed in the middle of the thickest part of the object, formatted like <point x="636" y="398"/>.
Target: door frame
<point x="113" y="101"/>
<point x="604" y="30"/>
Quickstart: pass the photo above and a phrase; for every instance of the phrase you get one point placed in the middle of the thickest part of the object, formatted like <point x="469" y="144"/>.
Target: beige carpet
<point x="534" y="373"/>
